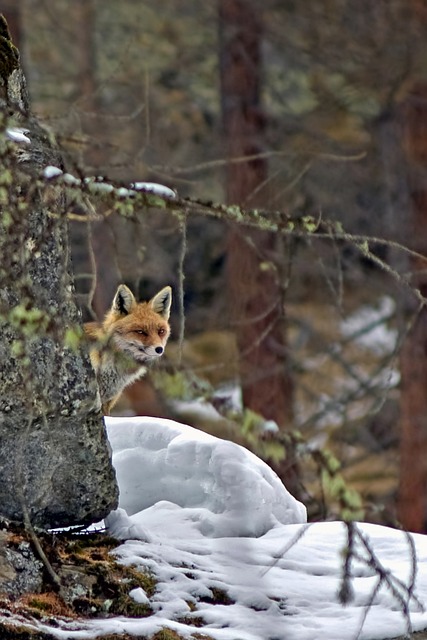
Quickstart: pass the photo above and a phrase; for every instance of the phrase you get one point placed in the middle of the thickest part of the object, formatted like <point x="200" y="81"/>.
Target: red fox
<point x="131" y="335"/>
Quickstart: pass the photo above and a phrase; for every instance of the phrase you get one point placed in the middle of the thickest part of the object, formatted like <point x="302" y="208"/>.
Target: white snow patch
<point x="368" y="326"/>
<point x="139" y="596"/>
<point x="71" y="180"/>
<point x="52" y="172"/>
<point x="99" y="187"/>
<point x="18" y="134"/>
<point x="153" y="187"/>
<point x="123" y="192"/>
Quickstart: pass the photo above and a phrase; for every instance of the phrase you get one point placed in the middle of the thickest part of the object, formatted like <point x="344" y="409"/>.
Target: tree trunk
<point x="254" y="287"/>
<point x="11" y="9"/>
<point x="412" y="503"/>
<point x="255" y="293"/>
<point x="55" y="466"/>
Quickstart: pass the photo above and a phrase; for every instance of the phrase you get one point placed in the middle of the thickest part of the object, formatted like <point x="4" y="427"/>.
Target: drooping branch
<point x="124" y="199"/>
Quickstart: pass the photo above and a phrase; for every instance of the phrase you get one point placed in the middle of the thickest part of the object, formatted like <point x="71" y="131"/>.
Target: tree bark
<point x="412" y="501"/>
<point x="55" y="465"/>
<point x="11" y="10"/>
<point x="253" y="278"/>
<point x="254" y="288"/>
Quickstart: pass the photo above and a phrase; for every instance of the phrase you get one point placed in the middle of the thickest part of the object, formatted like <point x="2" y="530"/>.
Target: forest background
<point x="303" y="109"/>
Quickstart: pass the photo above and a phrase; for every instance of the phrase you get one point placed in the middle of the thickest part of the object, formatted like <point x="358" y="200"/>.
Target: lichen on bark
<point x="54" y="456"/>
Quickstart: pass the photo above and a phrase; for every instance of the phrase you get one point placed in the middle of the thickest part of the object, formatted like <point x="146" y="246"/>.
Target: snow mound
<point x="167" y="469"/>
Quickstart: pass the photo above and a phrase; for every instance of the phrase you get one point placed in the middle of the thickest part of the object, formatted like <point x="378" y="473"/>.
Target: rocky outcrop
<point x="55" y="466"/>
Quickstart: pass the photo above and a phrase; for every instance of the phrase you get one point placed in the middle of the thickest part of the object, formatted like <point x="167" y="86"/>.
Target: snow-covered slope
<point x="212" y="522"/>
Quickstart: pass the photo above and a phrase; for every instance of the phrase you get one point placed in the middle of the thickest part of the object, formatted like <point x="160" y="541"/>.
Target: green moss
<point x="114" y="582"/>
<point x="81" y="543"/>
<point x="30" y="321"/>
<point x="6" y="177"/>
<point x="166" y="634"/>
<point x="39" y="604"/>
<point x="181" y="385"/>
<point x="310" y="224"/>
<point x="110" y="582"/>
<point x="17" y="348"/>
<point x="155" y="201"/>
<point x="125" y="209"/>
<point x="124" y="605"/>
<point x="6" y="220"/>
<point x="4" y="196"/>
<point x="73" y="337"/>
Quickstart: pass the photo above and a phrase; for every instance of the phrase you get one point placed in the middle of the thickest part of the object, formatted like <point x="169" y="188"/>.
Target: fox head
<point x="140" y="330"/>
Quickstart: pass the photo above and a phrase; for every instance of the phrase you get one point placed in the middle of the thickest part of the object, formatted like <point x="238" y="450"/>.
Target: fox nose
<point x="159" y="350"/>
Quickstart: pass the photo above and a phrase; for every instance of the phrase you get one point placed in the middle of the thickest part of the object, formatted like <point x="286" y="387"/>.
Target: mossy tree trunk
<point x="54" y="459"/>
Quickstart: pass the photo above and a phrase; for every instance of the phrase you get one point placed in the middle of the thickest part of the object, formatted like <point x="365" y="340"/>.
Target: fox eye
<point x="141" y="332"/>
<point x="162" y="332"/>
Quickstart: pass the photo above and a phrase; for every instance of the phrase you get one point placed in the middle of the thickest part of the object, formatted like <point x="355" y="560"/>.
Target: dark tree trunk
<point x="55" y="466"/>
<point x="11" y="9"/>
<point x="413" y="359"/>
<point x="253" y="278"/>
<point x="255" y="293"/>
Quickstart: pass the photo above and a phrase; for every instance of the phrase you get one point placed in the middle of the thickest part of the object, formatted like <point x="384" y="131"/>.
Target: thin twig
<point x="181" y="278"/>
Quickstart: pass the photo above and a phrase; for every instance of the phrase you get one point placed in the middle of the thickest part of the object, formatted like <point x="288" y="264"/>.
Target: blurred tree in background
<point x="413" y="357"/>
<point x="327" y="98"/>
<point x="255" y="285"/>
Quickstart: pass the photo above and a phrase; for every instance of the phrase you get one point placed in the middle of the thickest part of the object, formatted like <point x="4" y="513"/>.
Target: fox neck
<point x="112" y="379"/>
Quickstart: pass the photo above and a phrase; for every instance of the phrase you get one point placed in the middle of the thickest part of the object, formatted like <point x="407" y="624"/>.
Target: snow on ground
<point x="368" y="327"/>
<point x="206" y="516"/>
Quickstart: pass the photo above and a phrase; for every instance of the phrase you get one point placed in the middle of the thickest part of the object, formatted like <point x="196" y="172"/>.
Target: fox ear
<point x="124" y="300"/>
<point x="161" y="302"/>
